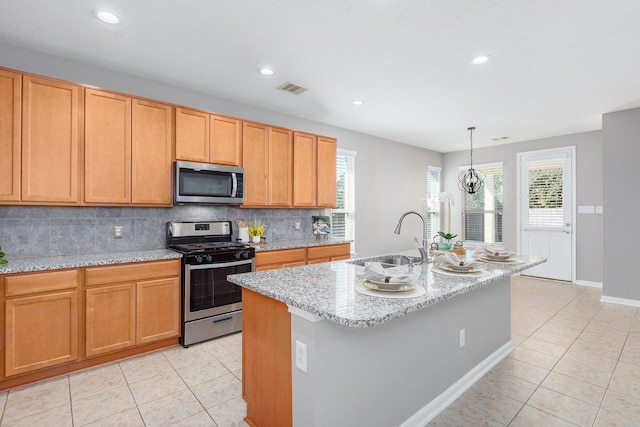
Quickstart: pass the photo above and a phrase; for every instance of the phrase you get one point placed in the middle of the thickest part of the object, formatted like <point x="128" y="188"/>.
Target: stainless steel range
<point x="211" y="306"/>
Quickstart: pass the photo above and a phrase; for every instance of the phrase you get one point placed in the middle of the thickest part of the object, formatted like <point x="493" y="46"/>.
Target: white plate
<point x="453" y="269"/>
<point x="388" y="287"/>
<point x="506" y="258"/>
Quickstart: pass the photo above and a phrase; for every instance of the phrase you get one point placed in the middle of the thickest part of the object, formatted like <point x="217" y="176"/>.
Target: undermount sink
<point x="387" y="261"/>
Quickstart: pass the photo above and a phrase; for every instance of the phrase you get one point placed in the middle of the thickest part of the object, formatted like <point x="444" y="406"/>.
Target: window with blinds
<point x="343" y="216"/>
<point x="432" y="202"/>
<point x="482" y="211"/>
<point x="545" y="194"/>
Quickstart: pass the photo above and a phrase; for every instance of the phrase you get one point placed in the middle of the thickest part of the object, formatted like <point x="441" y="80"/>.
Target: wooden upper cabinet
<point x="107" y="153"/>
<point x="225" y="140"/>
<point x="255" y="160"/>
<point x="192" y="135"/>
<point x="280" y="162"/>
<point x="50" y="140"/>
<point x="208" y="138"/>
<point x="326" y="188"/>
<point x="152" y="152"/>
<point x="304" y="169"/>
<point x="10" y="139"/>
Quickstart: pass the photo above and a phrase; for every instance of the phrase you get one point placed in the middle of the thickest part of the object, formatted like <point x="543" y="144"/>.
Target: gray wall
<point x="390" y="177"/>
<point x="589" y="191"/>
<point x="620" y="132"/>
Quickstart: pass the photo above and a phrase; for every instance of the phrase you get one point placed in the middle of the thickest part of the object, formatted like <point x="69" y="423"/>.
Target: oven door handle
<point x="219" y="265"/>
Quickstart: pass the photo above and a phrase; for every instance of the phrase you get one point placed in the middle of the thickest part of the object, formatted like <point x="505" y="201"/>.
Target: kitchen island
<point x="316" y="352"/>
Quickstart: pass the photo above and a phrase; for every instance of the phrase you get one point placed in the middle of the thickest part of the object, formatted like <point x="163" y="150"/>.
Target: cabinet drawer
<point x="331" y="251"/>
<point x="283" y="256"/>
<point x="32" y="283"/>
<point x="132" y="272"/>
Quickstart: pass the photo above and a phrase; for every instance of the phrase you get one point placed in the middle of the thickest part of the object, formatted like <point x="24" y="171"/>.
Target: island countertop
<point x="328" y="290"/>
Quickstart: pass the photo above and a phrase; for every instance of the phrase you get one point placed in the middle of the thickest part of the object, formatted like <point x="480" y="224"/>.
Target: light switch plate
<point x="586" y="209"/>
<point x="598" y="209"/>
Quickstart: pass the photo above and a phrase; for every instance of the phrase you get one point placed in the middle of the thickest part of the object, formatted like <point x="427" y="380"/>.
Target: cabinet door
<point x="10" y="104"/>
<point x="280" y="170"/>
<point x="255" y="159"/>
<point x="40" y="331"/>
<point x="107" y="152"/>
<point x="49" y="140"/>
<point x="111" y="318"/>
<point x="158" y="310"/>
<point x="304" y="170"/>
<point x="152" y="154"/>
<point x="226" y="141"/>
<point x="192" y="135"/>
<point x="326" y="172"/>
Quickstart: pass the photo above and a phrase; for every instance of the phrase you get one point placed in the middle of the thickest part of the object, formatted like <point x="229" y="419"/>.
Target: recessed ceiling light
<point x="266" y="71"/>
<point x="357" y="102"/>
<point x="500" y="138"/>
<point x="107" y="17"/>
<point x="481" y="59"/>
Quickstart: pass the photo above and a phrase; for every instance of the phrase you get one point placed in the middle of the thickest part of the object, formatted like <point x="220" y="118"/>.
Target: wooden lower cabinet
<point x="134" y="304"/>
<point x="110" y="322"/>
<point x="282" y="258"/>
<point x="157" y="309"/>
<point x="272" y="260"/>
<point x="41" y="320"/>
<point x="60" y="321"/>
<point x="266" y="360"/>
<point x="318" y="254"/>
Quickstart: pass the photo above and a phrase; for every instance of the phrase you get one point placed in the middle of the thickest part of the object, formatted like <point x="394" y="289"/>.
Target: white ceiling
<point x="556" y="65"/>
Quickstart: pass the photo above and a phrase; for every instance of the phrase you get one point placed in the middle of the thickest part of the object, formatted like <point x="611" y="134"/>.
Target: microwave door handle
<point x="234" y="188"/>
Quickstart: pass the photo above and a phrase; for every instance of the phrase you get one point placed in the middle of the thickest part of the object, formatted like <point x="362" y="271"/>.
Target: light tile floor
<point x="198" y="386"/>
<point x="577" y="362"/>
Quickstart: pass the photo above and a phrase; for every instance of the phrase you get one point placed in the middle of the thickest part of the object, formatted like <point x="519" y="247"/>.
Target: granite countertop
<point x="294" y="244"/>
<point x="327" y="290"/>
<point x="24" y="265"/>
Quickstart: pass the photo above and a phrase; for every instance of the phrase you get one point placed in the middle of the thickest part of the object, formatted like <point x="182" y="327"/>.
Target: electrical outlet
<point x="297" y="225"/>
<point x="301" y="356"/>
<point x="117" y="231"/>
<point x="462" y="338"/>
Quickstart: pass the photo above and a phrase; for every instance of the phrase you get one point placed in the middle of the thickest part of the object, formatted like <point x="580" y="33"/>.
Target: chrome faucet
<point x="421" y="247"/>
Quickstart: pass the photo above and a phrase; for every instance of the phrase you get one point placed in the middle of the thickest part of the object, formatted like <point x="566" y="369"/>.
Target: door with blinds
<point x="546" y="213"/>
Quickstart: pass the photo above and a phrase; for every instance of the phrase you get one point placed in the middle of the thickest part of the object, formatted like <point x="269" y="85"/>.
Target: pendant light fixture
<point x="471" y="180"/>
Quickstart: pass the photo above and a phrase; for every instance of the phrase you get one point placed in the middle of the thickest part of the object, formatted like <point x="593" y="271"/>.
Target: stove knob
<point x="198" y="259"/>
<point x="237" y="255"/>
<point x="209" y="258"/>
<point x="245" y="254"/>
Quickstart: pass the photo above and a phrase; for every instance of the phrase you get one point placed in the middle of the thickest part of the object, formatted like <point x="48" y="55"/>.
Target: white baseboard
<point x="589" y="283"/>
<point x="447" y="397"/>
<point x="621" y="301"/>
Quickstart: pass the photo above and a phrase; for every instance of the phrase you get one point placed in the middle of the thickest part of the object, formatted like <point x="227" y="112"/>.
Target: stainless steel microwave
<point x="206" y="183"/>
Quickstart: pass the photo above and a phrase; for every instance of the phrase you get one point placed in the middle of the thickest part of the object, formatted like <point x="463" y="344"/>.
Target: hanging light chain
<point x="471" y="129"/>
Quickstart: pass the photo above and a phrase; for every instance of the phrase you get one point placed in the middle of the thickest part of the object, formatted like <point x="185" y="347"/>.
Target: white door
<point x="545" y="211"/>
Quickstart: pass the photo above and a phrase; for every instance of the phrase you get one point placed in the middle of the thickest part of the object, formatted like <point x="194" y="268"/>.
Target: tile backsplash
<point x="33" y="231"/>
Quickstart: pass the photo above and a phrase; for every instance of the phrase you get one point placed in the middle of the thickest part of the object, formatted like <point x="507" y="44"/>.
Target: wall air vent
<point x="292" y="88"/>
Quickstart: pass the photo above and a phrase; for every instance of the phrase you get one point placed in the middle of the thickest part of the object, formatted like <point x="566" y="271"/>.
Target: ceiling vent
<point x="292" y="88"/>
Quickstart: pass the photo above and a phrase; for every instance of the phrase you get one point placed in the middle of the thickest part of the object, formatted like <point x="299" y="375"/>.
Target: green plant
<point x="2" y="261"/>
<point x="447" y="236"/>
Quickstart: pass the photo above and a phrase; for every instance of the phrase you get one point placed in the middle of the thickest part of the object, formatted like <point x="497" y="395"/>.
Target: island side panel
<point x="381" y="376"/>
<point x="266" y="360"/>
